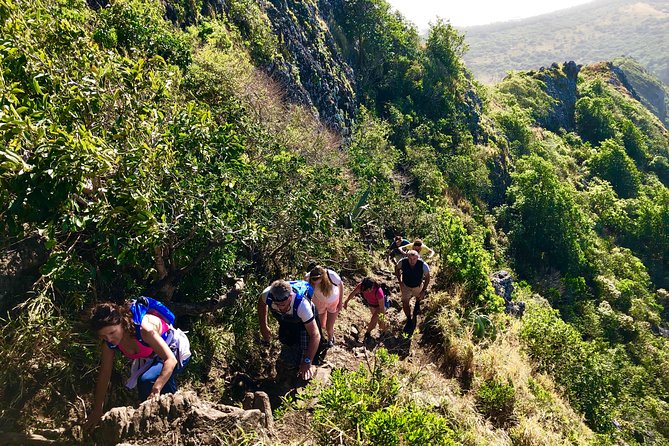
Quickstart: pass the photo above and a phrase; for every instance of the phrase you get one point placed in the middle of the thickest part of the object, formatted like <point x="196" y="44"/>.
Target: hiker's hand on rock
<point x="155" y="394"/>
<point x="92" y="420"/>
<point x="306" y="372"/>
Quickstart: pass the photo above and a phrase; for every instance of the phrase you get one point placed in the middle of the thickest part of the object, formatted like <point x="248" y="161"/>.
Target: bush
<point x="612" y="164"/>
<point x="589" y="375"/>
<point x="363" y="407"/>
<point x="464" y="262"/>
<point x="595" y="121"/>
<point x="547" y="228"/>
<point x="133" y="25"/>
<point x="496" y="400"/>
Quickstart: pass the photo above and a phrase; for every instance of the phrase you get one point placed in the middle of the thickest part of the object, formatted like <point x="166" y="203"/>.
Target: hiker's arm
<point x="306" y="371"/>
<point x="262" y="319"/>
<point x="160" y="347"/>
<point x="104" y="376"/>
<point x="403" y="249"/>
<point x="341" y="296"/>
<point x="398" y="272"/>
<point x="426" y="282"/>
<point x="355" y="291"/>
<point x="430" y="253"/>
<point x="382" y="314"/>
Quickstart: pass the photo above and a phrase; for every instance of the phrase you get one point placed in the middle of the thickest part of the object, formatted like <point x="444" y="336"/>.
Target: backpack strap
<point x="143" y="305"/>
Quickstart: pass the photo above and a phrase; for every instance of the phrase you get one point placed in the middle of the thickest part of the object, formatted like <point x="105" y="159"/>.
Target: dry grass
<point x="540" y="415"/>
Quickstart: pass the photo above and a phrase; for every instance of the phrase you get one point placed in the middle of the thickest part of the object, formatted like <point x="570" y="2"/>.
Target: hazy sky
<point x="476" y="12"/>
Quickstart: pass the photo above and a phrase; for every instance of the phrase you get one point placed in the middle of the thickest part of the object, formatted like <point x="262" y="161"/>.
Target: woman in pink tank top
<point x="114" y="325"/>
<point x="374" y="298"/>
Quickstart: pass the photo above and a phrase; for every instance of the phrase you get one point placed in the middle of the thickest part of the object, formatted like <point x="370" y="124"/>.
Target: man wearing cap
<point x="290" y="304"/>
<point x="413" y="274"/>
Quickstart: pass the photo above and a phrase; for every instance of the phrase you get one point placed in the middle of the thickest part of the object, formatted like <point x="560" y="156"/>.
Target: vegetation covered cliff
<point x="170" y="149"/>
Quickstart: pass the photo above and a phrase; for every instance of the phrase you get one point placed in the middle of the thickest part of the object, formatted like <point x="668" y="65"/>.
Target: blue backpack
<point x="142" y="306"/>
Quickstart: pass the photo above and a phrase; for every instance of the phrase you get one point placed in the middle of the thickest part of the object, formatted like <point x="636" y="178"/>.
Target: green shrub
<point x="255" y="29"/>
<point x="464" y="262"/>
<point x="590" y="376"/>
<point x="547" y="227"/>
<point x="407" y="425"/>
<point x="612" y="164"/>
<point x="363" y="407"/>
<point x="595" y="121"/>
<point x="516" y="127"/>
<point x="133" y="25"/>
<point x="496" y="401"/>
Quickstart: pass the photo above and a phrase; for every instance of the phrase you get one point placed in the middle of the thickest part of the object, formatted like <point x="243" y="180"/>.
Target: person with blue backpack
<point x="143" y="331"/>
<point x="290" y="304"/>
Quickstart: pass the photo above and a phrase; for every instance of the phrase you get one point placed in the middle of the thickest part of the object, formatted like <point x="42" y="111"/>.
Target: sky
<point x="463" y="13"/>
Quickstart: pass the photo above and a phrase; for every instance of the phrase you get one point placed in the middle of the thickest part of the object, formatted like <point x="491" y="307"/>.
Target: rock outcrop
<point x="502" y="283"/>
<point x="183" y="415"/>
<point x="560" y="82"/>
<point x="311" y="69"/>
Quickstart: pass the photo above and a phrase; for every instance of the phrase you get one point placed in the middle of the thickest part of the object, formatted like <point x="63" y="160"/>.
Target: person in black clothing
<point x="413" y="274"/>
<point x="393" y="251"/>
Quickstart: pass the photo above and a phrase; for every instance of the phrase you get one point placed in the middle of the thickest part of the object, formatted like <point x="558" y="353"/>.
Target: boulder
<point x="181" y="414"/>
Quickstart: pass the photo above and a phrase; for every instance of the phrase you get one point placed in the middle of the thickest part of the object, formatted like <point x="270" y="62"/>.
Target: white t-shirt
<point x="303" y="310"/>
<point x="334" y="293"/>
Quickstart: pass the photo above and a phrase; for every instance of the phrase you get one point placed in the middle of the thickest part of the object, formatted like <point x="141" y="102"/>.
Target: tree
<point x="444" y="70"/>
<point x="546" y="226"/>
<point x="612" y="164"/>
<point x="594" y="120"/>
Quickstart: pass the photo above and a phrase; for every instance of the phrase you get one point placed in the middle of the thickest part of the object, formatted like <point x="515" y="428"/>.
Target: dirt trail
<point x="350" y="349"/>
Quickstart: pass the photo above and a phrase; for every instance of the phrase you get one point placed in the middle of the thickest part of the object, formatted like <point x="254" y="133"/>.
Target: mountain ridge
<point x="588" y="33"/>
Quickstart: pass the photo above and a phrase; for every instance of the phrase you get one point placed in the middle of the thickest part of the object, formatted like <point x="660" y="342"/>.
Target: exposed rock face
<point x="183" y="415"/>
<point x="311" y="70"/>
<point x="560" y="81"/>
<point x="502" y="282"/>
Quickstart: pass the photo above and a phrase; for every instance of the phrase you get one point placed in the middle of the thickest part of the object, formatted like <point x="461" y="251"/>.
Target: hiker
<point x="393" y="252"/>
<point x="290" y="304"/>
<point x="328" y="298"/>
<point x="142" y="331"/>
<point x="374" y="298"/>
<point x="419" y="247"/>
<point x="413" y="274"/>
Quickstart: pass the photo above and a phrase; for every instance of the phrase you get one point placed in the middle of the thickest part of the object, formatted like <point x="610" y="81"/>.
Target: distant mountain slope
<point x="652" y="93"/>
<point x="600" y="30"/>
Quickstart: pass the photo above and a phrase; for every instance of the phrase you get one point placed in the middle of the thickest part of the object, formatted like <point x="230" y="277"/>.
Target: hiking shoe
<point x="331" y="342"/>
<point x="368" y="337"/>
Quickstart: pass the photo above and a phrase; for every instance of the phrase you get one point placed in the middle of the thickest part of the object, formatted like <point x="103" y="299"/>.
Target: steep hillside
<point x="195" y="151"/>
<point x="650" y="91"/>
<point x="596" y="31"/>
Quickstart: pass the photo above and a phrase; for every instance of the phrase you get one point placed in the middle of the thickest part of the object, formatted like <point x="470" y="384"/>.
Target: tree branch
<point x="210" y="305"/>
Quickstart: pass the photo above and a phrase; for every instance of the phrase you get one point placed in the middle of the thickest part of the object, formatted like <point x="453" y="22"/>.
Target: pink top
<point x="144" y="351"/>
<point x="373" y="296"/>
